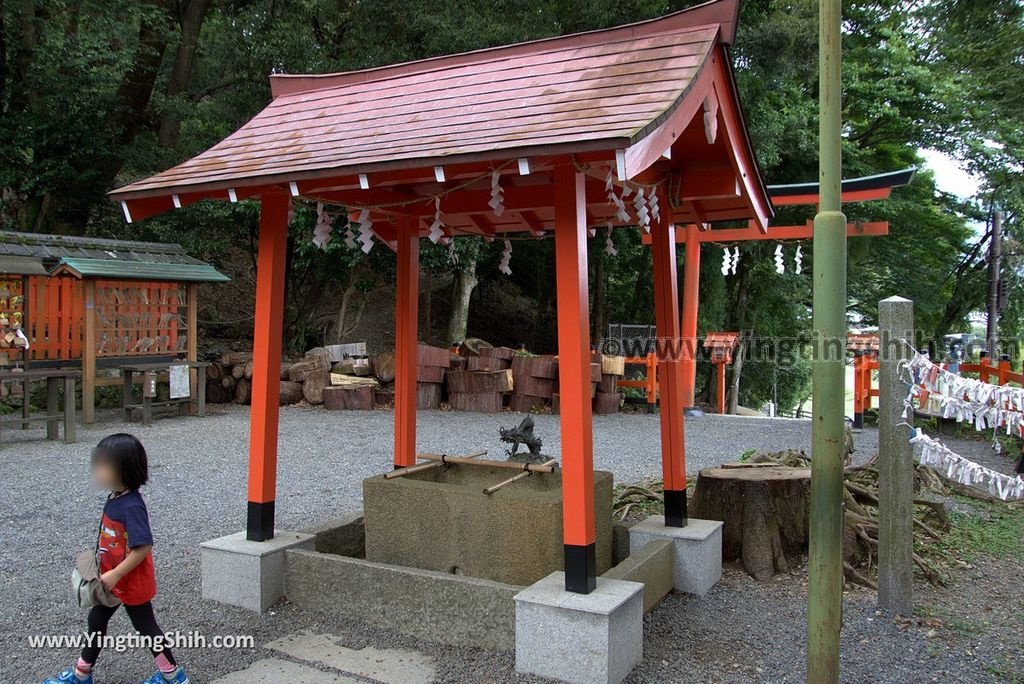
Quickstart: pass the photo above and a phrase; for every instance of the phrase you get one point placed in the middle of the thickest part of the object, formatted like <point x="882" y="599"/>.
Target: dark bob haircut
<point x="128" y="457"/>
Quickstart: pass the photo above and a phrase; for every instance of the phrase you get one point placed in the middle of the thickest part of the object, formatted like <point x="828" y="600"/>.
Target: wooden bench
<point x="150" y="371"/>
<point x="53" y="415"/>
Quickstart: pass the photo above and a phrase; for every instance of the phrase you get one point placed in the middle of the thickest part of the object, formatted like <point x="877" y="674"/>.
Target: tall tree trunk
<point x="24" y="53"/>
<point x="738" y="323"/>
<point x="462" y="289"/>
<point x="191" y="14"/>
<point x="136" y="89"/>
<point x="3" y="64"/>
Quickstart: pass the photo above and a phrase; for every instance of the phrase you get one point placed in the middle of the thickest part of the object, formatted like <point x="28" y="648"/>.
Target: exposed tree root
<point x="860" y="496"/>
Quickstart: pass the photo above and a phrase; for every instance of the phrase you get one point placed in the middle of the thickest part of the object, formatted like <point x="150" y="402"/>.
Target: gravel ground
<point x="740" y="632"/>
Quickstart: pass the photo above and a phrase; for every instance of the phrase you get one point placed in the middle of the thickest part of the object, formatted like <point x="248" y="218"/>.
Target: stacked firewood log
<point x="478" y="378"/>
<point x="431" y="365"/>
<point x="480" y="383"/>
<point x="607" y="397"/>
<point x="534" y="381"/>
<point x="229" y="378"/>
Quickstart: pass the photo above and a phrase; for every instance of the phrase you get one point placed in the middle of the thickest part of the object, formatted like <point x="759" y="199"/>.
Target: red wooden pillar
<point x="720" y="397"/>
<point x="859" y="366"/>
<point x="406" y="329"/>
<point x="266" y="356"/>
<point x="670" y="372"/>
<point x="574" y="380"/>
<point x="691" y="297"/>
<point x="652" y="382"/>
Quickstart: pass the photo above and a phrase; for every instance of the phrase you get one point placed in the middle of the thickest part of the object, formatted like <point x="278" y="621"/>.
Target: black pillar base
<point x="580" y="568"/>
<point x="858" y="420"/>
<point x="260" y="521"/>
<point x="675" y="508"/>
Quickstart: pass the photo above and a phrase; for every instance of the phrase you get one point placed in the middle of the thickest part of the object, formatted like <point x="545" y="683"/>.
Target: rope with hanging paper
<point x="989" y="405"/>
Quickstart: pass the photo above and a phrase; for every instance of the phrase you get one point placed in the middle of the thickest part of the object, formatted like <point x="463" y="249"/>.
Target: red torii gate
<point x="650" y="106"/>
<point x="863" y="189"/>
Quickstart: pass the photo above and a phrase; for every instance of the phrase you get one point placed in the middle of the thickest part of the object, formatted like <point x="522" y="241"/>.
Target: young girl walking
<point x="125" y="559"/>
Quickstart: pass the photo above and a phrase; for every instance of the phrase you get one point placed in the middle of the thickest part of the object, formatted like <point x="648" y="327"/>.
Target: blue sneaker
<point x="68" y="677"/>
<point x="179" y="677"/>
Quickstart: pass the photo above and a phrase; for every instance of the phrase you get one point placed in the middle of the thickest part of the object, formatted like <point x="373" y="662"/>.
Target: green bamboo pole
<point x="825" y="582"/>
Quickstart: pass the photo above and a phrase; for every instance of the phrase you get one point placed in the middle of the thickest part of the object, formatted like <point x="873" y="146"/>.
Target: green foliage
<point x="81" y="115"/>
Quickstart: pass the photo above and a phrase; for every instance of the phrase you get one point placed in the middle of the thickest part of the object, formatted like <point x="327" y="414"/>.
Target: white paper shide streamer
<point x="323" y="228"/>
<point x="497" y="201"/>
<point x="609" y="244"/>
<point x="506" y="259"/>
<point x="967" y="400"/>
<point x="966" y="472"/>
<point x="780" y="260"/>
<point x="798" y="260"/>
<point x="620" y="205"/>
<point x="365" y="230"/>
<point x="436" y="228"/>
<point x="643" y="213"/>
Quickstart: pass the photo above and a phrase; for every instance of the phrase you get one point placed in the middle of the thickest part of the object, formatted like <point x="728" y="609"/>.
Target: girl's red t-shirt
<point x="124" y="526"/>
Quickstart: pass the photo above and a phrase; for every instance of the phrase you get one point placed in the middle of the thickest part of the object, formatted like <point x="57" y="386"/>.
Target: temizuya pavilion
<point x="650" y="108"/>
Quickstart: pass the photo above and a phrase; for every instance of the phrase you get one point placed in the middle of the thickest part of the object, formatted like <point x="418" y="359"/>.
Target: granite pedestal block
<point x="245" y="573"/>
<point x="698" y="550"/>
<point x="585" y="638"/>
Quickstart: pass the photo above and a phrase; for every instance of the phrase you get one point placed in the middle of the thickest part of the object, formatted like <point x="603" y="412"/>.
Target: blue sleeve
<point x="136" y="526"/>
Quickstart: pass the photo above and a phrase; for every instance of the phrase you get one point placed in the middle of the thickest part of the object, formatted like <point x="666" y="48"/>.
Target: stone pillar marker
<point x="895" y="462"/>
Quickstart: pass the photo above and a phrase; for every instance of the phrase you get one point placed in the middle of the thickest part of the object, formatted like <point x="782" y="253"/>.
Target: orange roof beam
<point x="805" y="232"/>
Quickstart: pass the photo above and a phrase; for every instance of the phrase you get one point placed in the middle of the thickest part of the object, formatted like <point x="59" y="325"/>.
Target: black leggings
<point x="143" y="620"/>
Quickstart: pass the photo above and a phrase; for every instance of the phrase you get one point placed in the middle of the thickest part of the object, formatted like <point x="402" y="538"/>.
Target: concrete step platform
<point x="323" y="659"/>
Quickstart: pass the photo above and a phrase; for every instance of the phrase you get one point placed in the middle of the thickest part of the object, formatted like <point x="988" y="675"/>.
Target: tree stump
<point x="765" y="511"/>
<point x="350" y="398"/>
<point x="428" y="395"/>
<point x="482" y="402"/>
<point x="607" y="402"/>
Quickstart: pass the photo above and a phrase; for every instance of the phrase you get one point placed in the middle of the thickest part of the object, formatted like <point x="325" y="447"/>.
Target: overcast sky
<point x="949" y="177"/>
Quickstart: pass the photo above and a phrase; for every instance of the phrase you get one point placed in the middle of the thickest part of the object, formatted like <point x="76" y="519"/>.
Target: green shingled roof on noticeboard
<point x="140" y="270"/>
<point x="91" y="257"/>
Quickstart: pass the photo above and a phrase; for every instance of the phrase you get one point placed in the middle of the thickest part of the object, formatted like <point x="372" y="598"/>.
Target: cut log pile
<point x="480" y="382"/>
<point x="310" y="379"/>
<point x="479" y="378"/>
<point x="533" y="382"/>
<point x="607" y="397"/>
<point x="229" y="378"/>
<point x="431" y="365"/>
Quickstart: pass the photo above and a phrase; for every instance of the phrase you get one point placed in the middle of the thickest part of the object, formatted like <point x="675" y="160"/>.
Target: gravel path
<point x="197" y="492"/>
